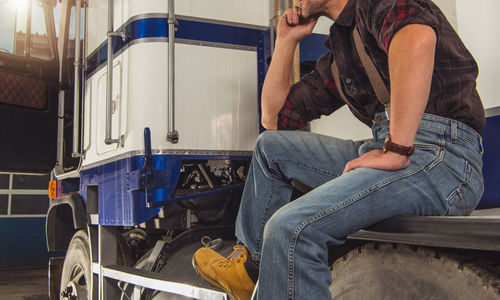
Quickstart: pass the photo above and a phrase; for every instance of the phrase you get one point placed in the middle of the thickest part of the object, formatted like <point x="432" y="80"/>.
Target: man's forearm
<point x="277" y="83"/>
<point x="411" y="64"/>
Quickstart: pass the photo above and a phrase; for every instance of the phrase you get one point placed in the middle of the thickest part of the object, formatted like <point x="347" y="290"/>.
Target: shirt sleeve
<point x="386" y="17"/>
<point x="314" y="95"/>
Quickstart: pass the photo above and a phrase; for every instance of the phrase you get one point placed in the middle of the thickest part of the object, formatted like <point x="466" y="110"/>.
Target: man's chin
<point x="309" y="15"/>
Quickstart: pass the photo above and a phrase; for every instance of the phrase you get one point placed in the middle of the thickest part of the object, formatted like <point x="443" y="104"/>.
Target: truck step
<point x="162" y="283"/>
<point x="176" y="279"/>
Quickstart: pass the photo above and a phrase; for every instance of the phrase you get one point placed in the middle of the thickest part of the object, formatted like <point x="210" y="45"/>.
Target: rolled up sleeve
<point x="314" y="95"/>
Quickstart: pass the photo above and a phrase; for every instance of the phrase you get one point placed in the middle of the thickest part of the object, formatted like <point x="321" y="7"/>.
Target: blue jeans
<point x="291" y="239"/>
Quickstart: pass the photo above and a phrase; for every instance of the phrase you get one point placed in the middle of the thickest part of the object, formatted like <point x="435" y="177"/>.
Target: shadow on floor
<point x="24" y="284"/>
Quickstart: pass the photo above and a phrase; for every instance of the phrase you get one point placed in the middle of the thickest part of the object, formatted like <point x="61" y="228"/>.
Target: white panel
<point x="254" y="12"/>
<point x="147" y="93"/>
<point x="341" y="124"/>
<point x="139" y="7"/>
<point x="87" y="115"/>
<point x="216" y="100"/>
<point x="97" y="23"/>
<point x="242" y="11"/>
<point x="479" y="25"/>
<point x="101" y="108"/>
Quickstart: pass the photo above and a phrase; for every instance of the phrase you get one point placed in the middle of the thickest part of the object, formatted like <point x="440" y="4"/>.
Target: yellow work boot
<point x="229" y="273"/>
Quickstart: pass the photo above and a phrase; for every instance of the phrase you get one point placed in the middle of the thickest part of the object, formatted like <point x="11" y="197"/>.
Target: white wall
<point x="479" y="27"/>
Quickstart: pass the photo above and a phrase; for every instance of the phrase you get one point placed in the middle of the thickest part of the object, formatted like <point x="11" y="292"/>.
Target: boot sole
<point x="211" y="281"/>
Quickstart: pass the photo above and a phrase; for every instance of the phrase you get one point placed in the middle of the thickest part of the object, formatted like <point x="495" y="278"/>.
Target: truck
<point x="146" y="113"/>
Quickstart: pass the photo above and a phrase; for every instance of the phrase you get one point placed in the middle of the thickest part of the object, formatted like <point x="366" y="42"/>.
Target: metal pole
<point x="27" y="37"/>
<point x="59" y="169"/>
<point x="109" y="78"/>
<point x="109" y="81"/>
<point x="77" y="64"/>
<point x="172" y="135"/>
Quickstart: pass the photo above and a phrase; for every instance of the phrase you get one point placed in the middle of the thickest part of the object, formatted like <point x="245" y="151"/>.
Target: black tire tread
<point x="482" y="268"/>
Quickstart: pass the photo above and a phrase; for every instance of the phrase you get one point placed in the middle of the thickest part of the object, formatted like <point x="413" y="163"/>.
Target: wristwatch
<point x="396" y="148"/>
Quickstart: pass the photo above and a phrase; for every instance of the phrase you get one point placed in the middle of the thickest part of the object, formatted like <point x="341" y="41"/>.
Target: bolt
<point x="67" y="291"/>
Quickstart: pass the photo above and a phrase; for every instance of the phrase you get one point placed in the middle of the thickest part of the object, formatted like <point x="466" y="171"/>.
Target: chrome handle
<point x="172" y="135"/>
<point x="78" y="69"/>
<point x="109" y="79"/>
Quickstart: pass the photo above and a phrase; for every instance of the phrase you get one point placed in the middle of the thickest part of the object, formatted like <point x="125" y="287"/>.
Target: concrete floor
<point x="24" y="284"/>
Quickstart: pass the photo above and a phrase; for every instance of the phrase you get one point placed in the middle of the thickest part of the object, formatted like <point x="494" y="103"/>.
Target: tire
<point x="388" y="271"/>
<point x="75" y="278"/>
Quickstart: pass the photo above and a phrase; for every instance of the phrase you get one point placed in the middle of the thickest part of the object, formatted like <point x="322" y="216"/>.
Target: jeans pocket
<point x="430" y="155"/>
<point x="464" y="199"/>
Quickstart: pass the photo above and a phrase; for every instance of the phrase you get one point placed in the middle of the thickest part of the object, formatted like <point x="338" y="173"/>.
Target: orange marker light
<point x="53" y="189"/>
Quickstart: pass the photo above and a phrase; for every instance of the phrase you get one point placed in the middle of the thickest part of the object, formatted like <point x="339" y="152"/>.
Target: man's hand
<point x="377" y="159"/>
<point x="293" y="26"/>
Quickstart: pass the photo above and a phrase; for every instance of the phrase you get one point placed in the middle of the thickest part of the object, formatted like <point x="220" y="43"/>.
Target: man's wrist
<point x="401" y="160"/>
<point x="391" y="146"/>
<point x="286" y="41"/>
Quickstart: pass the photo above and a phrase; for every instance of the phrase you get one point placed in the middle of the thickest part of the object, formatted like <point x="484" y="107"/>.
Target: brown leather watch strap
<point x="396" y="148"/>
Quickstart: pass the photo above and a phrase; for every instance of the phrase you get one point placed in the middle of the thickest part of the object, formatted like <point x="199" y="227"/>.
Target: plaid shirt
<point x="453" y="91"/>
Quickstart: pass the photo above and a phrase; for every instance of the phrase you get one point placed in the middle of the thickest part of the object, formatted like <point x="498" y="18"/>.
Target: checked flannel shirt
<point x="453" y="91"/>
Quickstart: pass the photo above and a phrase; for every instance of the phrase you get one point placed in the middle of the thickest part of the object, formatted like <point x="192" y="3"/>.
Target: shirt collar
<point x="346" y="17"/>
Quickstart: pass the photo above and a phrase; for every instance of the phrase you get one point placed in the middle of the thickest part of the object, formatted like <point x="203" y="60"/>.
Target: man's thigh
<point x="310" y="158"/>
<point x="365" y="196"/>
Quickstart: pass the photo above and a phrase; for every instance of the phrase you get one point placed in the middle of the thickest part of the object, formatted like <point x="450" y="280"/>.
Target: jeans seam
<point x="256" y="255"/>
<point x="437" y="160"/>
<point x="459" y="191"/>
<point x="330" y="210"/>
<point x="303" y="166"/>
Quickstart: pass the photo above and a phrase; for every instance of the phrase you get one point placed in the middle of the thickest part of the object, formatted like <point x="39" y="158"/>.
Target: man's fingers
<point x="295" y="16"/>
<point x="292" y="15"/>
<point x="349" y="166"/>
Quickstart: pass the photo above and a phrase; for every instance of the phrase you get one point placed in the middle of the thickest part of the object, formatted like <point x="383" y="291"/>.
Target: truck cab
<point x="147" y="114"/>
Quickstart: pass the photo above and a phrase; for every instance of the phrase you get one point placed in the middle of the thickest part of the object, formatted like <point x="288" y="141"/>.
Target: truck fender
<point x="65" y="215"/>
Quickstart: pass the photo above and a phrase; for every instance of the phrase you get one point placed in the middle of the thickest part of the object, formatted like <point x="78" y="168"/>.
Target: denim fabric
<point x="291" y="239"/>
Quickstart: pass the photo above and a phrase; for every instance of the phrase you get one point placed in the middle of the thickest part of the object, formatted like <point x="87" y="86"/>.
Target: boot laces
<point x="239" y="253"/>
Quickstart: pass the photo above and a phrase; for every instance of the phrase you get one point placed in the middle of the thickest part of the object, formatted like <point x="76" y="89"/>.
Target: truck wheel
<point x="75" y="278"/>
<point x="385" y="271"/>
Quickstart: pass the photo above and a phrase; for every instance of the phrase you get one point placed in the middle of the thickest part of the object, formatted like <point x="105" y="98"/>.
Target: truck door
<point x="28" y="86"/>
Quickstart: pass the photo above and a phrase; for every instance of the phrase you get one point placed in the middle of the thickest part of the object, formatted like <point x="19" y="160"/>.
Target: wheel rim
<point x="77" y="285"/>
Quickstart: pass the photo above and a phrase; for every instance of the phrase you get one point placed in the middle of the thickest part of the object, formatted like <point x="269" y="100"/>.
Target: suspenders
<point x="375" y="80"/>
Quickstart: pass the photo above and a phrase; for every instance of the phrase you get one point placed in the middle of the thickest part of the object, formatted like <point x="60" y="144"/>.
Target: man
<point x="424" y="158"/>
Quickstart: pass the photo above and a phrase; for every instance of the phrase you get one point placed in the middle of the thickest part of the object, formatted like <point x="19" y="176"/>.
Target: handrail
<point x="109" y="78"/>
<point x="172" y="135"/>
<point x="78" y="69"/>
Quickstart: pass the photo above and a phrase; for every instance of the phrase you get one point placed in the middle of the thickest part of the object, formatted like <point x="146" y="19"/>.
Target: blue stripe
<point x="189" y="30"/>
<point x="217" y="33"/>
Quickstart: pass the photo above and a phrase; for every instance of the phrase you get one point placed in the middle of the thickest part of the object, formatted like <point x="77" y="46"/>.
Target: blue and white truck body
<point x="153" y="110"/>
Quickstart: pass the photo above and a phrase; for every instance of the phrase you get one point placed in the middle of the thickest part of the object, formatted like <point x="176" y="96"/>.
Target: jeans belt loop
<point x="454" y="131"/>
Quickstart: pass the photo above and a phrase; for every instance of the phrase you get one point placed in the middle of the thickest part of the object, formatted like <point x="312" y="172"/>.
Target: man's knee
<point x="267" y="140"/>
<point x="266" y="137"/>
<point x="279" y="227"/>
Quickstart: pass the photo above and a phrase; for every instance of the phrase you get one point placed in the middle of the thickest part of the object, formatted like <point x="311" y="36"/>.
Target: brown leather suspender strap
<point x="375" y="80"/>
<point x="377" y="83"/>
